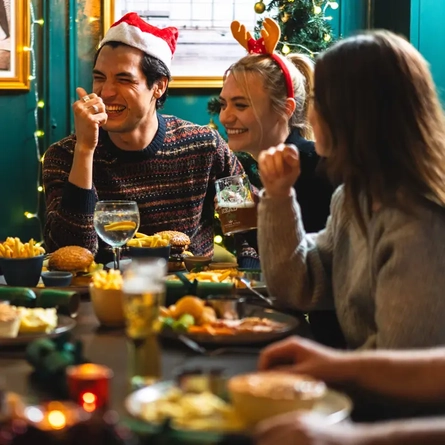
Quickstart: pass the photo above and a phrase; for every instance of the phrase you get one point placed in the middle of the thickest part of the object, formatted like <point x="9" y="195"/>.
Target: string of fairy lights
<point x="39" y="104"/>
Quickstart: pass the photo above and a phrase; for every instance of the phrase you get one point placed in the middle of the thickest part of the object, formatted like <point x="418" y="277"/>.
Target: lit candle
<point x="53" y="416"/>
<point x="88" y="385"/>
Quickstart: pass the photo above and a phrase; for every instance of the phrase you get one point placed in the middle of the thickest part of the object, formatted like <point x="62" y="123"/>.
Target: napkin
<point x="50" y="357"/>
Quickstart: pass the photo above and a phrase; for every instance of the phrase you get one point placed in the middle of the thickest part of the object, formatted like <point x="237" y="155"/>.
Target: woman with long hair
<point x="378" y="121"/>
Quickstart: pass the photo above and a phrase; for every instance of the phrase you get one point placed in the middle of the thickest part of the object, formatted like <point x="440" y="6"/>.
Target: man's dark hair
<point x="153" y="69"/>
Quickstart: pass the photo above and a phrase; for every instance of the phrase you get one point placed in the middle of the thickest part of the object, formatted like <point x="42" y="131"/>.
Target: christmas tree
<point x="304" y="24"/>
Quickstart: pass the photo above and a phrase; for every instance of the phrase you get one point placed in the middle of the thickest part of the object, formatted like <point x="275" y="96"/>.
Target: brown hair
<point x="375" y="95"/>
<point x="301" y="71"/>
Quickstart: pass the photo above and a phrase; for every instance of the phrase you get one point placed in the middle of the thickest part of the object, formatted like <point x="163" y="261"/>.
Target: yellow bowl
<point x="108" y="306"/>
<point x="259" y="396"/>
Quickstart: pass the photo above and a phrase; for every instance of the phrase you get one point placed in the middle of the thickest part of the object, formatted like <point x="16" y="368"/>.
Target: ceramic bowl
<point x="56" y="278"/>
<point x="196" y="262"/>
<point x="108" y="306"/>
<point x="23" y="272"/>
<point x="149" y="252"/>
<point x="217" y="266"/>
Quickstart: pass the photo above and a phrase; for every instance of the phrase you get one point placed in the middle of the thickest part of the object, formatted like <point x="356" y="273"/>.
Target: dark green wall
<point x="65" y="49"/>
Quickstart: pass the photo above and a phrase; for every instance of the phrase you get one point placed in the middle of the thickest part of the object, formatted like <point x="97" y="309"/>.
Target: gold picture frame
<point x="197" y="80"/>
<point x="14" y="44"/>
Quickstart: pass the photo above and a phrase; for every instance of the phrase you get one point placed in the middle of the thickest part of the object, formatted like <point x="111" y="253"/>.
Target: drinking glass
<point x="144" y="294"/>
<point x="116" y="222"/>
<point x="236" y="207"/>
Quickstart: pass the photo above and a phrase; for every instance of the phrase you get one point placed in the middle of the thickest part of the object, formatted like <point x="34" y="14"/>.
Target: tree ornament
<point x="259" y="7"/>
<point x="285" y="17"/>
<point x="285" y="49"/>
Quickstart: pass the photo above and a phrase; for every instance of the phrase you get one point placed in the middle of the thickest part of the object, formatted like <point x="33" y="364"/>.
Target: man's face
<point x="119" y="81"/>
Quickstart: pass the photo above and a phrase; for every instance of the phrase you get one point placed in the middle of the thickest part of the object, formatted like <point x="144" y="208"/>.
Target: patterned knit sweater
<point x="172" y="180"/>
<point x="387" y="288"/>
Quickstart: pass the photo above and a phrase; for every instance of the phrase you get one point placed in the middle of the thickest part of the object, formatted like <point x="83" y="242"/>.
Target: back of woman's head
<point x="301" y="70"/>
<point x="376" y="98"/>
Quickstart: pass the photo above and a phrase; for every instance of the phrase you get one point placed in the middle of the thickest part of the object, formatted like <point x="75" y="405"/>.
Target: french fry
<point x="14" y="248"/>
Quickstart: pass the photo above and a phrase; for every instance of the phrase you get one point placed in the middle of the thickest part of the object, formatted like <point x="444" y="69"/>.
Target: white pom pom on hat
<point x="136" y="32"/>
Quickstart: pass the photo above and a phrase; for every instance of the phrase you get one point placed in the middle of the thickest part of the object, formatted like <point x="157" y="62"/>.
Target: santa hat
<point x="136" y="32"/>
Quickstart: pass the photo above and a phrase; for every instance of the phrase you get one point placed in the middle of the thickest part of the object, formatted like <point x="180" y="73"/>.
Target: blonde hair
<point x="301" y="70"/>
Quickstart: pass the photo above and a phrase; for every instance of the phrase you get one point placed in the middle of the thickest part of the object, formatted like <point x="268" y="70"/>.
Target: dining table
<point x="109" y="347"/>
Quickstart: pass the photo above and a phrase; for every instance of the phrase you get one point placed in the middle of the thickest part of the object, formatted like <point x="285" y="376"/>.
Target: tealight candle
<point x="88" y="385"/>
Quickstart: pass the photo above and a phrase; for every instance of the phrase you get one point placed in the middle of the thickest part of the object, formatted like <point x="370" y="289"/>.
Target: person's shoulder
<point x="65" y="145"/>
<point x="418" y="220"/>
<point x="181" y="128"/>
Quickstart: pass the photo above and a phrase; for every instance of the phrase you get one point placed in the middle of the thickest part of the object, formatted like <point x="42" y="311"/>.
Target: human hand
<point x="307" y="429"/>
<point x="302" y="356"/>
<point x="89" y="115"/>
<point x="279" y="169"/>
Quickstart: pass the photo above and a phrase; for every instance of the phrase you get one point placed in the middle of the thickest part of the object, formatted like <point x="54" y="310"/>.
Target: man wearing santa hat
<point x="123" y="149"/>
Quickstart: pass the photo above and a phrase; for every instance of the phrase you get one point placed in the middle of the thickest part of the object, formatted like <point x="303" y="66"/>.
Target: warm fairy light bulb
<point x="31" y="77"/>
<point x="26" y="48"/>
<point x="285" y="49"/>
<point x="218" y="239"/>
<point x="333" y="5"/>
<point x="317" y="10"/>
<point x="39" y="133"/>
<point x="40" y="188"/>
<point x="57" y="419"/>
<point x="327" y="38"/>
<point x="40" y="22"/>
<point x="93" y="19"/>
<point x="40" y="104"/>
<point x="42" y="158"/>
<point x="30" y="215"/>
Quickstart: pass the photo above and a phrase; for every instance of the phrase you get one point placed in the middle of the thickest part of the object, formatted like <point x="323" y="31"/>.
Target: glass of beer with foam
<point x="236" y="207"/>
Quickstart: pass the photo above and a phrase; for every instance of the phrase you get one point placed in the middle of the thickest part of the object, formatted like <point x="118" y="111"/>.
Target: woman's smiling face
<point x="251" y="123"/>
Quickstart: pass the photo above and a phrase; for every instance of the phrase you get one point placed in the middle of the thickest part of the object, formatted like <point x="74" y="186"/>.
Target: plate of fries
<point x="142" y="240"/>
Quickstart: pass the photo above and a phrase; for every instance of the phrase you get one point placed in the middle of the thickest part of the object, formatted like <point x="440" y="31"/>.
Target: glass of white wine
<point x="116" y="222"/>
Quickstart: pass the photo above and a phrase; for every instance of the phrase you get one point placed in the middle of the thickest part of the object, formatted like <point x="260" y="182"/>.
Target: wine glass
<point x="116" y="222"/>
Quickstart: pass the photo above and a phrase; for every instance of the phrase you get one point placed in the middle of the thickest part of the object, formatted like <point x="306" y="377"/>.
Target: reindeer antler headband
<point x="270" y="35"/>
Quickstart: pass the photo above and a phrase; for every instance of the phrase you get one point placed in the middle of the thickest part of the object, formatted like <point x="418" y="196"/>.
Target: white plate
<point x="64" y="324"/>
<point x="335" y="407"/>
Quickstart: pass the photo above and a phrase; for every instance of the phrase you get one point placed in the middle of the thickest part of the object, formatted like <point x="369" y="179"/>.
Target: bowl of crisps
<point x="21" y="263"/>
<point x="107" y="298"/>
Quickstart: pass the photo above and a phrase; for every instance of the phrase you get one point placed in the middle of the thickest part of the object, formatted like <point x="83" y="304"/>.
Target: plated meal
<point x="248" y="399"/>
<point x="75" y="259"/>
<point x="20" y="320"/>
<point x="226" y="320"/>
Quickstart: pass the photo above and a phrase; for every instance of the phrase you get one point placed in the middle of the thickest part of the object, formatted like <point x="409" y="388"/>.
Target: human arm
<point x="297" y="267"/>
<point x="68" y="179"/>
<point x="69" y="209"/>
<point x="303" y="429"/>
<point x="416" y="375"/>
<point x="409" y="280"/>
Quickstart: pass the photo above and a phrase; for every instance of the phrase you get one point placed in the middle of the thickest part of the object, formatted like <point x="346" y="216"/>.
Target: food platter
<point x="333" y="408"/>
<point x="64" y="324"/>
<point x="289" y="322"/>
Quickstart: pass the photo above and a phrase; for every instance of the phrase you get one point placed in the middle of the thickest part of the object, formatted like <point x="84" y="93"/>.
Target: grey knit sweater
<point x="388" y="288"/>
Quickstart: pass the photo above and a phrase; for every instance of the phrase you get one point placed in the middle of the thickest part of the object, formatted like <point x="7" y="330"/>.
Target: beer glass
<point x="143" y="295"/>
<point x="236" y="207"/>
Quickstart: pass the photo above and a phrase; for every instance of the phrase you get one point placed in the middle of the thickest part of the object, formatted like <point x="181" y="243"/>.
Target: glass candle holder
<point x="89" y="385"/>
